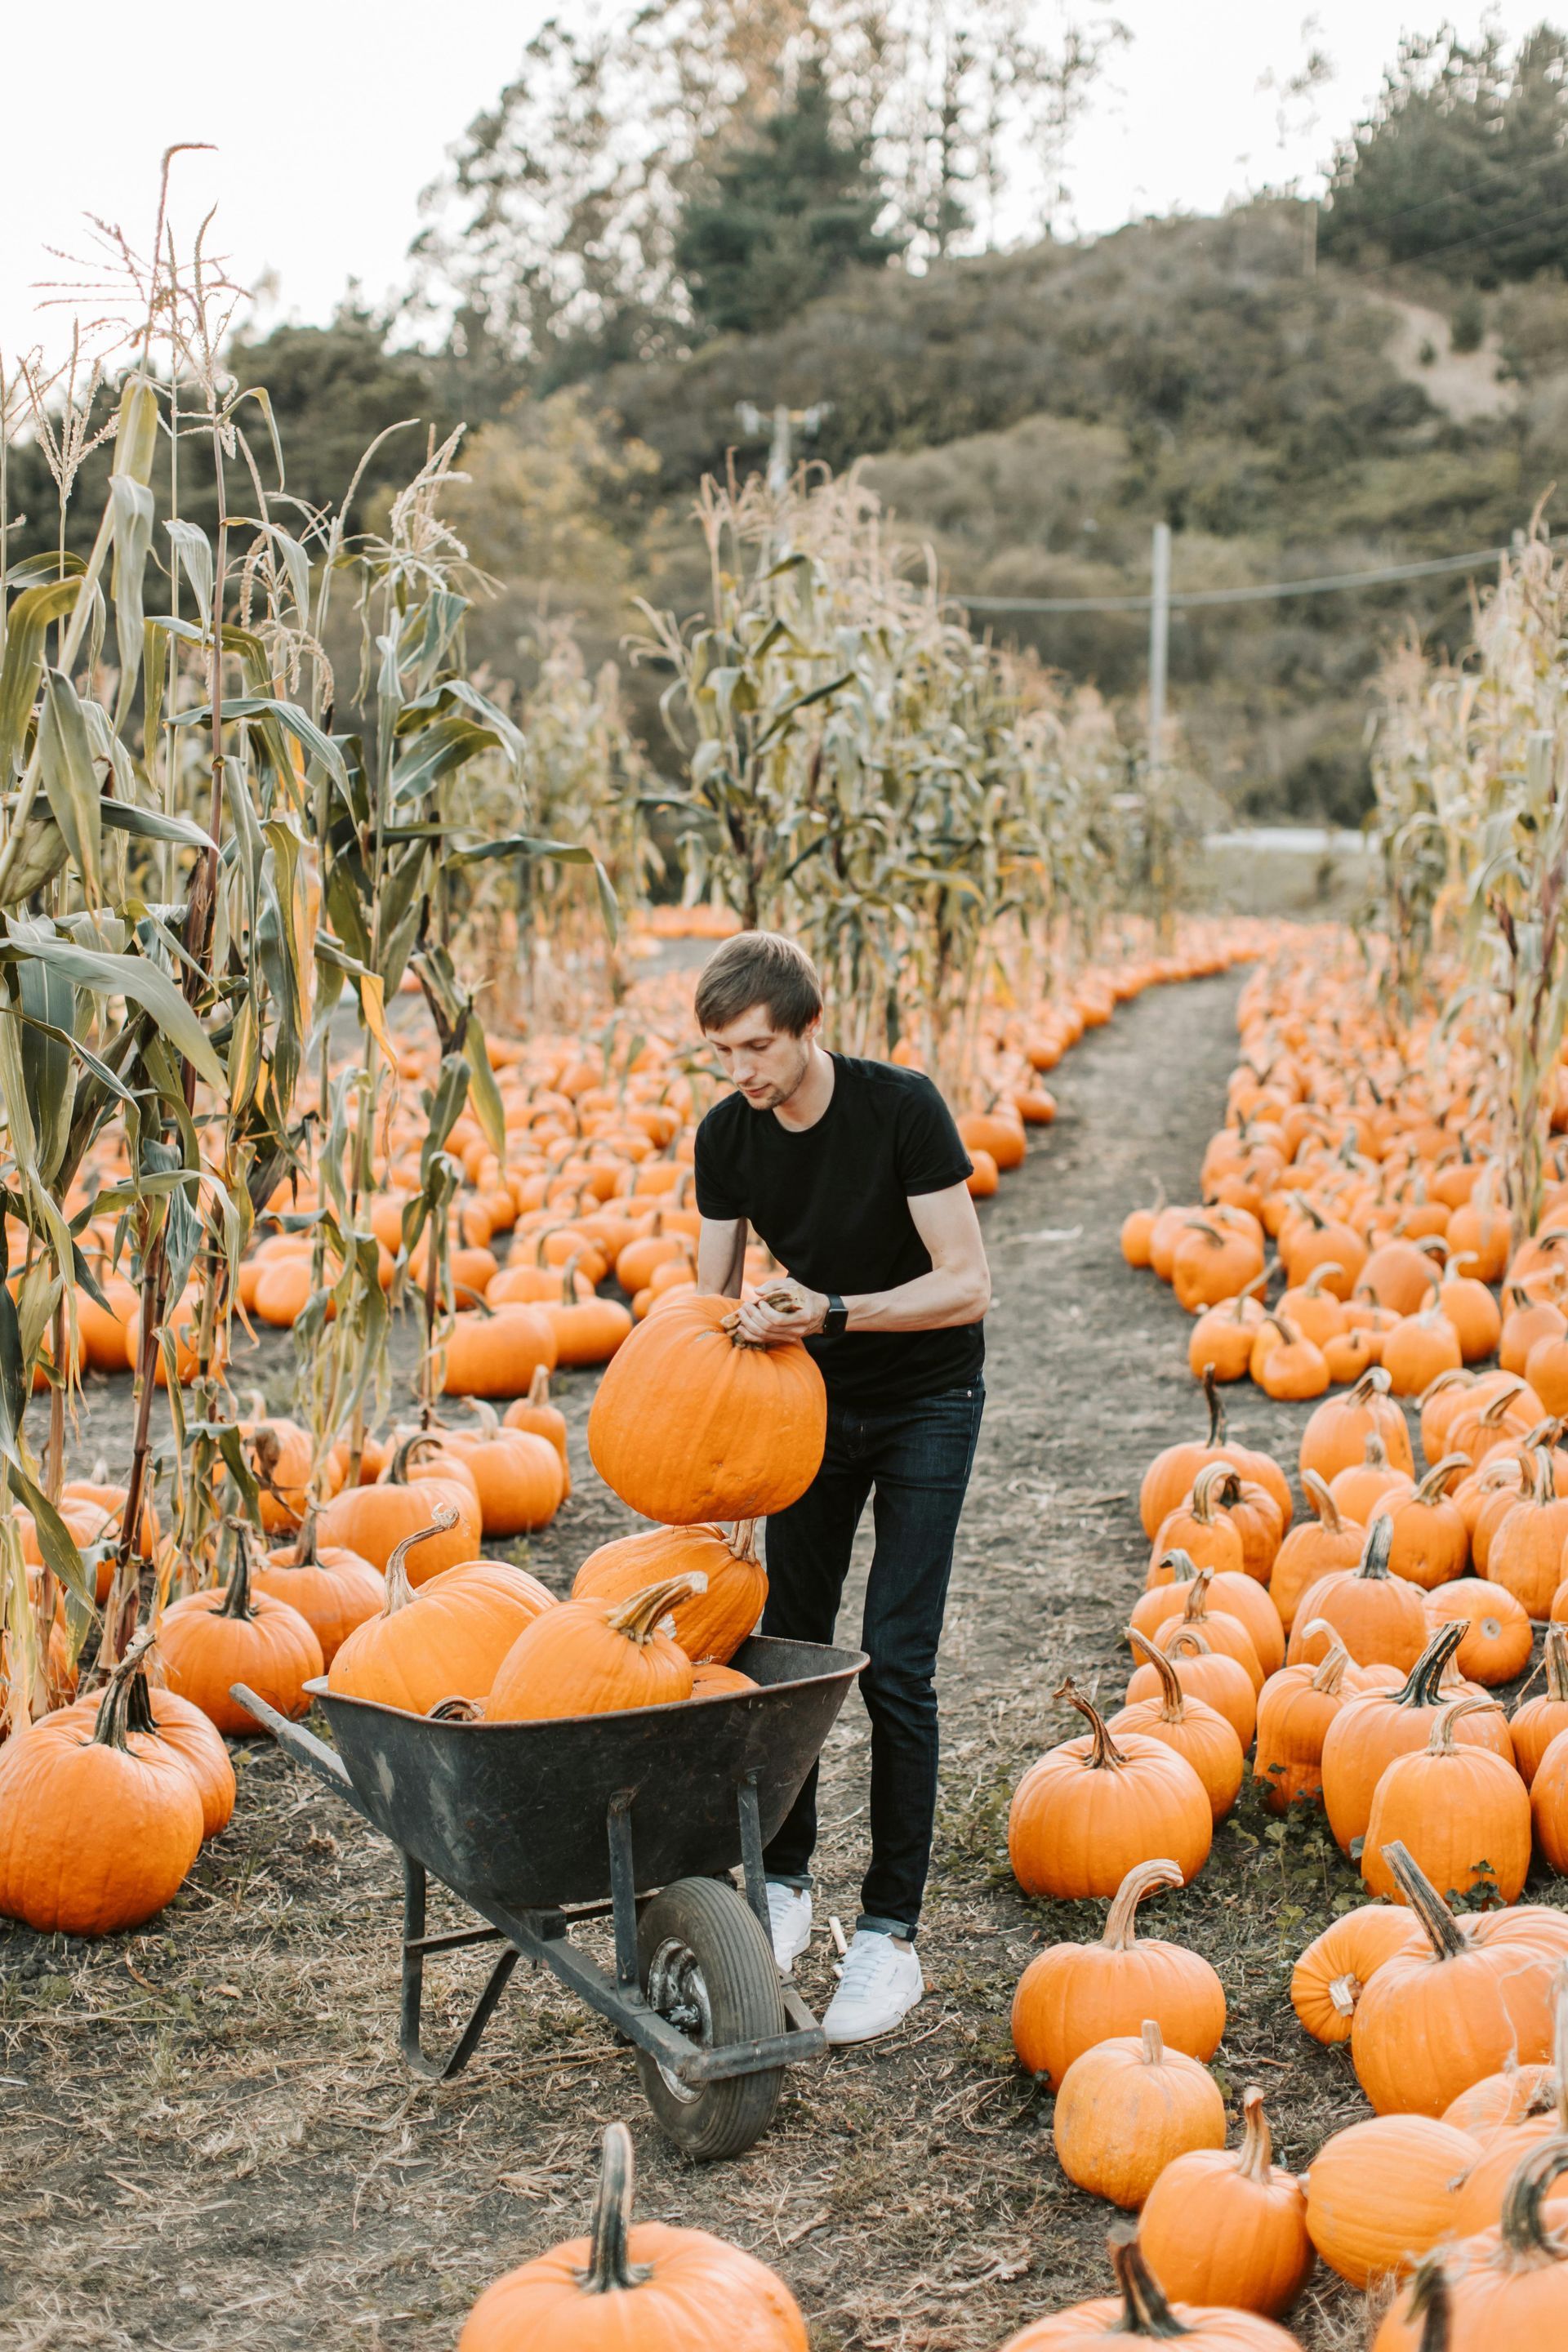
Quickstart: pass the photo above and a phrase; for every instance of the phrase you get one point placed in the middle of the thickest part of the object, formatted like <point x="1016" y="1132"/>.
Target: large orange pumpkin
<point x="443" y="1638"/>
<point x="624" y="2288"/>
<point x="214" y="1639"/>
<point x="691" y="1422"/>
<point x="373" y="1520"/>
<point x="710" y="1623"/>
<point x="1073" y="1994"/>
<point x="585" y="1658"/>
<point x="97" y="1824"/>
<point x="332" y="1589"/>
<point x="1094" y="1806"/>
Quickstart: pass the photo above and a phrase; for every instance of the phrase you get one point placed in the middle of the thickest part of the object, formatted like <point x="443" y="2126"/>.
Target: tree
<point x="1463" y="163"/>
<point x="788" y="210"/>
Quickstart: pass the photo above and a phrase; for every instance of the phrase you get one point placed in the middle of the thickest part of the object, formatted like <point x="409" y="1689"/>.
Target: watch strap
<point x="836" y="1319"/>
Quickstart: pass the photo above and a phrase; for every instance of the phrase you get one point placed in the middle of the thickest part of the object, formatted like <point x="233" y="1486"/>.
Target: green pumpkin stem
<point x="611" y="2270"/>
<point x="1422" y="1687"/>
<point x="237" y="1602"/>
<point x="1215" y="1405"/>
<point x="1523" y="2226"/>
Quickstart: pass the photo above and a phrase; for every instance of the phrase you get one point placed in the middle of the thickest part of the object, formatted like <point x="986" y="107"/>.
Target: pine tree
<point x="790" y="208"/>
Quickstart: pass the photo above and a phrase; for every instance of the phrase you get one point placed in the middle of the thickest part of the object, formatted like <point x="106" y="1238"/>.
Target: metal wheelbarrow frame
<point x="638" y="1816"/>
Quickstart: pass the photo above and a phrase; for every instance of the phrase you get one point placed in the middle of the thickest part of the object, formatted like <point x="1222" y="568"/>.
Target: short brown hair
<point x="758" y="968"/>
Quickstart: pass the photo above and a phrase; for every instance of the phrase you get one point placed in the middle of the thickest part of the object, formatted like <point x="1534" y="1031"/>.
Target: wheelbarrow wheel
<point x="708" y="1968"/>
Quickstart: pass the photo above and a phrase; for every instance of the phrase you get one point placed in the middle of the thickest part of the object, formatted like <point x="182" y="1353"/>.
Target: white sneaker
<point x="789" y="1915"/>
<point x="880" y="1984"/>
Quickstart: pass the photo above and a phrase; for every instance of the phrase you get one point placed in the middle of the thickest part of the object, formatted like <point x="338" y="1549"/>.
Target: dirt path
<point x="219" y="2146"/>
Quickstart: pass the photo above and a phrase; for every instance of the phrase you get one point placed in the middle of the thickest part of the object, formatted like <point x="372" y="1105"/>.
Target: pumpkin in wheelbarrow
<point x="444" y="1639"/>
<point x="711" y="1623"/>
<point x="590" y="1657"/>
<point x="658" y="2288"/>
<point x="693" y="1423"/>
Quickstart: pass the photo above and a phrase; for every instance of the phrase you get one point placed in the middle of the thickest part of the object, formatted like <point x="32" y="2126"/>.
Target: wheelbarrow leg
<point x="624" y="1893"/>
<point x="415" y="1946"/>
<point x="752" y="1851"/>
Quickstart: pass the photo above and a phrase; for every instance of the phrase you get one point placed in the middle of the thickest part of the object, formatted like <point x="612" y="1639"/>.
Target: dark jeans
<point x="916" y="1461"/>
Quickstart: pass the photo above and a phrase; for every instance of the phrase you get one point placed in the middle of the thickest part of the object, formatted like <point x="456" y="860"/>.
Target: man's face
<point x="764" y="1064"/>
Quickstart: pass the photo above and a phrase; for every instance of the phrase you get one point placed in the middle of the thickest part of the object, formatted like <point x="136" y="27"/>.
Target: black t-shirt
<point x="831" y="1202"/>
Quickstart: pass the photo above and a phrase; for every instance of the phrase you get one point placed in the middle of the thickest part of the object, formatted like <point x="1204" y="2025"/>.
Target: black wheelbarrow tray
<point x="639" y="1815"/>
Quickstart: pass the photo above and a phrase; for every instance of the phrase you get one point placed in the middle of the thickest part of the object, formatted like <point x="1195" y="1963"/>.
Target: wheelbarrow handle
<point x="302" y="1745"/>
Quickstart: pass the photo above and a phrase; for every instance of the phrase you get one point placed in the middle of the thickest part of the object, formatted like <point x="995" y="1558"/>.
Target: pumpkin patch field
<point x="215" y="2136"/>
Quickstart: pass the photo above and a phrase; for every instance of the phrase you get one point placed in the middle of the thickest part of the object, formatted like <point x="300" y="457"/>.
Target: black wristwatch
<point x="836" y="1322"/>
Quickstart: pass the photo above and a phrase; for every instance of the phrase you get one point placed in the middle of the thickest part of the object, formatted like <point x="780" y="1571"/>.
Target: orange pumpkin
<point x="445" y="1638"/>
<point x="214" y="1639"/>
<point x="738" y="1432"/>
<point x="1094" y="1806"/>
<point x="373" y="1520"/>
<point x="333" y="1590"/>
<point x="713" y="1620"/>
<point x="585" y="1658"/>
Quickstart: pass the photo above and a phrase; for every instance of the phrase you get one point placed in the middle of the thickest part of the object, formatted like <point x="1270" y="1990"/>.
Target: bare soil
<point x="208" y="2139"/>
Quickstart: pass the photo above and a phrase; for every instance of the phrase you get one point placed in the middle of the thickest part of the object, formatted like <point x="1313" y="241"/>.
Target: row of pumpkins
<point x="1501" y="2286"/>
<point x="1315" y="1644"/>
<point x="1372" y="1180"/>
<point x="594" y="1182"/>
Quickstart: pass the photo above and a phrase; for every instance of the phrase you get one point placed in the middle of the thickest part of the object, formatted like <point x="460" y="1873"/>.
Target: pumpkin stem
<point x="1555" y="1659"/>
<point x="638" y="1618"/>
<point x="1257" y="2154"/>
<point x="611" y="2270"/>
<point x="485" y="1414"/>
<point x="1318" y="1276"/>
<point x="1153" y="2042"/>
<point x="1434" y="1483"/>
<point x="1427" y="1675"/>
<point x="111" y="1722"/>
<point x="236" y="1598"/>
<point x="1196" y="1607"/>
<point x="1454" y="1377"/>
<point x="1215" y="1405"/>
<point x="1322" y="1502"/>
<point x="417" y="1441"/>
<point x="1330" y="1670"/>
<point x="1173" y="1705"/>
<point x="1429" y="2303"/>
<point x="1186" y="1642"/>
<point x="1441" y="1741"/>
<point x="1375" y="1550"/>
<point x="1442" y="1928"/>
<point x="1373" y="1452"/>
<point x="1181" y="1565"/>
<point x="305" y="1541"/>
<point x="1373" y="1381"/>
<point x="1523" y="2227"/>
<point x="399" y="1592"/>
<point x="1104" y="1753"/>
<point x="743" y="1542"/>
<point x="1120" y="1920"/>
<point x="1206" y="1485"/>
<point x="1344" y="1992"/>
<point x="569" y="1280"/>
<point x="539" y="1386"/>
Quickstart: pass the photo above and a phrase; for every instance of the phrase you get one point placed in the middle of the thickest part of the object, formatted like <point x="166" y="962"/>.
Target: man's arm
<point x="956" y="1290"/>
<point x="720" y="1255"/>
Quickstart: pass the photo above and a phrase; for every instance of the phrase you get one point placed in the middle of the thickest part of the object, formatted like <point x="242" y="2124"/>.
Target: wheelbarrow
<point x="640" y="1816"/>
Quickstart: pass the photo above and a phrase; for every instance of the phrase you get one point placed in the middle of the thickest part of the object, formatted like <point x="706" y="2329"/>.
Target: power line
<point x="1253" y="595"/>
<point x="1505" y="234"/>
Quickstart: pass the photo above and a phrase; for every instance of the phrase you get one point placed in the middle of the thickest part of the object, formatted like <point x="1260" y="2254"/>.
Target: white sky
<point x="330" y="116"/>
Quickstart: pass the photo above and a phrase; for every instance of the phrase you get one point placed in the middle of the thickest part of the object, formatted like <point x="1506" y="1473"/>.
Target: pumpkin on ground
<point x="1189" y="1724"/>
<point x="1314" y="1547"/>
<point x="665" y="2289"/>
<point x="1073" y="1995"/>
<point x="332" y="1589"/>
<point x="1336" y="1434"/>
<point x="443" y="1638"/>
<point x="1127" y="2107"/>
<point x="1497" y="1640"/>
<point x="1485" y="2186"/>
<point x="536" y="1414"/>
<point x="1462" y="1814"/>
<point x="1536" y="1722"/>
<point x="99" y="1825"/>
<point x="1506" y="2289"/>
<point x="583" y="1657"/>
<point x="1332" y="1973"/>
<point x="1433" y="2021"/>
<point x="1203" y="1673"/>
<point x="1374" y="1727"/>
<point x="1378" y="1617"/>
<point x="373" y="1520"/>
<point x="165" y="1716"/>
<point x="518" y="1472"/>
<point x="1295" y="1709"/>
<point x="1224" y="2228"/>
<point x="738" y="1432"/>
<point x="1091" y="1808"/>
<point x="1141" y="2313"/>
<point x="212" y="1640"/>
<point x="1378" y="2194"/>
<point x="715" y="1617"/>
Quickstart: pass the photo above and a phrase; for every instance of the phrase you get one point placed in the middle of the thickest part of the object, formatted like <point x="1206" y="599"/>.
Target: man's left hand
<point x="784" y="1311"/>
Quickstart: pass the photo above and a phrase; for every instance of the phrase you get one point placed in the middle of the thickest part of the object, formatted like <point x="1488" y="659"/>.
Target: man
<point x="854" y="1174"/>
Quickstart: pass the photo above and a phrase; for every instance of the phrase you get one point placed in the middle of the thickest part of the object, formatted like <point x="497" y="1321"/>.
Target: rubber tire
<point x="741" y="1977"/>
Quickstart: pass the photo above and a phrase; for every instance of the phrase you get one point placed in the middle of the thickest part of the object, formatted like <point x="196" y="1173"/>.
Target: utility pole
<point x="1159" y="642"/>
<point x="1309" y="238"/>
<point x="784" y="420"/>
